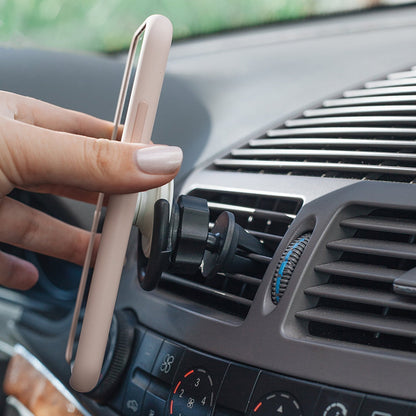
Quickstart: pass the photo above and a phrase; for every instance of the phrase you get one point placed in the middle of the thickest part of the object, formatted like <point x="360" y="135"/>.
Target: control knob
<point x="286" y="266"/>
<point x="119" y="347"/>
<point x="279" y="404"/>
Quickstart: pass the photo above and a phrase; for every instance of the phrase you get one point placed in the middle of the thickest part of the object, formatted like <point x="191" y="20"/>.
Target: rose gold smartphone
<point x="155" y="36"/>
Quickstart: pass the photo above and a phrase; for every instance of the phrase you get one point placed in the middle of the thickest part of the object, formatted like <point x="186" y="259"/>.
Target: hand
<point x="48" y="149"/>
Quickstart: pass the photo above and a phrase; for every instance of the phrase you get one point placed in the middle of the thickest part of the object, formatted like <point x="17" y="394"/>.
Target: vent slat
<point x="322" y="166"/>
<point x="243" y="278"/>
<point x="388" y="225"/>
<point x="206" y="289"/>
<point x="265" y="236"/>
<point x="336" y="140"/>
<point x="380" y="91"/>
<point x="333" y="142"/>
<point x="391" y="82"/>
<point x="366" y="296"/>
<point x="360" y="271"/>
<point x="403" y="74"/>
<point x="259" y="258"/>
<point x="363" y="321"/>
<point x="355" y="120"/>
<point x="382" y="100"/>
<point x="375" y="247"/>
<point x="344" y="132"/>
<point x="259" y="213"/>
<point x="370" y="109"/>
<point x="330" y="154"/>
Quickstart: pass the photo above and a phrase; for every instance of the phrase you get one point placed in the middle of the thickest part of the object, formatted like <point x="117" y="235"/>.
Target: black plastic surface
<point x="148" y="351"/>
<point x="220" y="411"/>
<point x="379" y="406"/>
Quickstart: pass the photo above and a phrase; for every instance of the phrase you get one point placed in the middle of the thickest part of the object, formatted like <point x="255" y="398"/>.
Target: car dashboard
<point x="305" y="131"/>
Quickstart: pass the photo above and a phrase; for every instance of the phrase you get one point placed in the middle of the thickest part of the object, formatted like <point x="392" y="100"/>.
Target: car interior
<point x="305" y="131"/>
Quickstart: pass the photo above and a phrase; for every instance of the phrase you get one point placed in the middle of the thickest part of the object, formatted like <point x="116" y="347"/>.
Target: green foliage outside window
<point x="107" y="25"/>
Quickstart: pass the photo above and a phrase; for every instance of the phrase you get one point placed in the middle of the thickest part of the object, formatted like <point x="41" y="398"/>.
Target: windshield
<point x="107" y="26"/>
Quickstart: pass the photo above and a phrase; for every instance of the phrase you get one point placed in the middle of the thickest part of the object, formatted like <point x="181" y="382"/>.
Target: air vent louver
<point x="369" y="133"/>
<point x="357" y="304"/>
<point x="266" y="217"/>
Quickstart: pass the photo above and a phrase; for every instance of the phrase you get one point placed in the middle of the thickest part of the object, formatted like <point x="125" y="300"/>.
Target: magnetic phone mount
<point x="182" y="241"/>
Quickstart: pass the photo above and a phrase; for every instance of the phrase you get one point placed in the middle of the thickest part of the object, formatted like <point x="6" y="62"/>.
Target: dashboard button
<point x="378" y="406"/>
<point x="167" y="361"/>
<point x="159" y="389"/>
<point x="148" y="351"/>
<point x="236" y="388"/>
<point x="337" y="402"/>
<point x="134" y="396"/>
<point x="222" y="411"/>
<point x="305" y="394"/>
<point x="153" y="405"/>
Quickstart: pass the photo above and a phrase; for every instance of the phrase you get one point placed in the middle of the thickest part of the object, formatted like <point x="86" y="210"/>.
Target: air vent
<point x="369" y="133"/>
<point x="357" y="304"/>
<point x="266" y="217"/>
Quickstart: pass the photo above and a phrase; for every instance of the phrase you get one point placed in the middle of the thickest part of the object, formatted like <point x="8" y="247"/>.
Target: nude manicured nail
<point x="159" y="160"/>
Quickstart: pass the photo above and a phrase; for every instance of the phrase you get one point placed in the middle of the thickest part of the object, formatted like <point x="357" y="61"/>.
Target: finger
<point x="67" y="192"/>
<point x="16" y="273"/>
<point x="32" y="156"/>
<point x="39" y="113"/>
<point x="30" y="229"/>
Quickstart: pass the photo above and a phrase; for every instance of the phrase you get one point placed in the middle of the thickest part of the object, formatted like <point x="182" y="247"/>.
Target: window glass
<point x="107" y="25"/>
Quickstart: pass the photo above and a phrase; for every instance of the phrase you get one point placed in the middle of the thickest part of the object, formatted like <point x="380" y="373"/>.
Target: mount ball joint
<point x="182" y="242"/>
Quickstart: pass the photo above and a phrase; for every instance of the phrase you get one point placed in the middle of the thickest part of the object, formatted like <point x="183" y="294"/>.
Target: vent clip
<point x="182" y="241"/>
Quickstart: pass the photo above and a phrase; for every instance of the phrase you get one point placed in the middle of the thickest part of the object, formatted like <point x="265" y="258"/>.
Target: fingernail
<point x="159" y="160"/>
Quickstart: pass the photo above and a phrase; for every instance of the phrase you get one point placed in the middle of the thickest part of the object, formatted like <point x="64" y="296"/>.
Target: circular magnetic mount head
<point x="145" y="212"/>
<point x="287" y="265"/>
<point x="214" y="260"/>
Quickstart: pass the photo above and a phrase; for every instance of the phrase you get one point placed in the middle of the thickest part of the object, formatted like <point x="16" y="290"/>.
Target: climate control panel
<point x="166" y="378"/>
<point x="193" y="394"/>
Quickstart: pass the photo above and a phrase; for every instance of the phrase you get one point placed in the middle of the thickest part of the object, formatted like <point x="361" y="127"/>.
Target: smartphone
<point x="154" y="38"/>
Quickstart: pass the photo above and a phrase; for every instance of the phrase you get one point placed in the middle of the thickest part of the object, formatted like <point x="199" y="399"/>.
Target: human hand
<point x="48" y="149"/>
